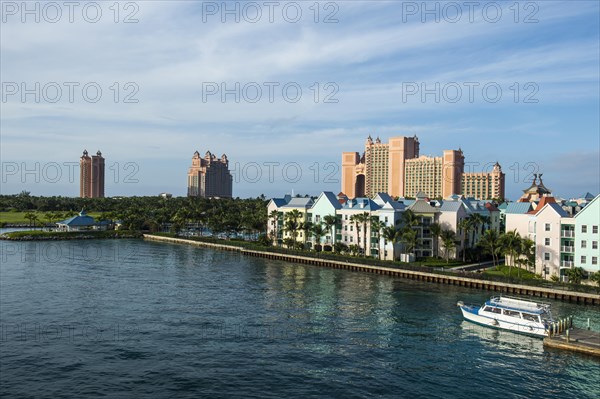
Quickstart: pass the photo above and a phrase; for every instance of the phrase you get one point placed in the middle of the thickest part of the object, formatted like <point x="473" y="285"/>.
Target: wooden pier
<point x="576" y="340"/>
<point x="542" y="292"/>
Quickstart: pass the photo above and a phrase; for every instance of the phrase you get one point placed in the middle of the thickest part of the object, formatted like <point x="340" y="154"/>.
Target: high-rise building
<point x="397" y="169"/>
<point x="209" y="176"/>
<point x="484" y="185"/>
<point x="91" y="175"/>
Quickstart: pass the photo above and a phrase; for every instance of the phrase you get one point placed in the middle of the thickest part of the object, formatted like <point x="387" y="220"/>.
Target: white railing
<point x="569" y="249"/>
<point x="567" y="233"/>
<point x="567" y="263"/>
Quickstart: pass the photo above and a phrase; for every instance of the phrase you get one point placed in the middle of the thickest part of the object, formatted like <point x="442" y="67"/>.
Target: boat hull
<point x="472" y="314"/>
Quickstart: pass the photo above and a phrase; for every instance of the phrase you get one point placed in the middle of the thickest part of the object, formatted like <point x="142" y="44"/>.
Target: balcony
<point x="567" y="233"/>
<point x="567" y="249"/>
<point x="567" y="263"/>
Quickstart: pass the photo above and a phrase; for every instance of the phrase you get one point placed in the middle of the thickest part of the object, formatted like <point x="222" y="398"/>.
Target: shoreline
<point x="40" y="235"/>
<point x="469" y="282"/>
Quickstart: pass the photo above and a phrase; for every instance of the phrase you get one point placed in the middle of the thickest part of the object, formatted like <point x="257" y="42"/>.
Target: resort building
<point x="354" y="231"/>
<point x="397" y="168"/>
<point x="91" y="175"/>
<point x="209" y="176"/>
<point x="302" y="205"/>
<point x="587" y="237"/>
<point x="327" y="204"/>
<point x="484" y="185"/>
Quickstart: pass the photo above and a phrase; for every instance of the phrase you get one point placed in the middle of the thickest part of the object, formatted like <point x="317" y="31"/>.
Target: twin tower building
<point x="397" y="168"/>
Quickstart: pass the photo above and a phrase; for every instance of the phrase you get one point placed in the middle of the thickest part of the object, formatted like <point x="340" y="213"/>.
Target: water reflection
<point x="513" y="344"/>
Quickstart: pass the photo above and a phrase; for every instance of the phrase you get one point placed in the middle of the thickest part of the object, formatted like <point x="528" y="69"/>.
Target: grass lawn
<point x="435" y="262"/>
<point x="504" y="270"/>
<point x="19" y="217"/>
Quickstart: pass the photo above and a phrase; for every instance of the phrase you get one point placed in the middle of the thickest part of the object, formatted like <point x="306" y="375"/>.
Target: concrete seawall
<point x="571" y="296"/>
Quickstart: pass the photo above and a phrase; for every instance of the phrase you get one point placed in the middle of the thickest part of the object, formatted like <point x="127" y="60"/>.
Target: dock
<point x="576" y="340"/>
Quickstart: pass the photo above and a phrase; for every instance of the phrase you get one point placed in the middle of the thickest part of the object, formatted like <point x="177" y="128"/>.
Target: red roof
<point x="541" y="204"/>
<point x="491" y="207"/>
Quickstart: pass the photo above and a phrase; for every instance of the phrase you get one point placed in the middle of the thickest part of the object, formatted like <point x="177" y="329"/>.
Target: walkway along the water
<point x="571" y="296"/>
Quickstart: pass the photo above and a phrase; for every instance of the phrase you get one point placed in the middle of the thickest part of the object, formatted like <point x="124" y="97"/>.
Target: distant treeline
<point x="152" y="213"/>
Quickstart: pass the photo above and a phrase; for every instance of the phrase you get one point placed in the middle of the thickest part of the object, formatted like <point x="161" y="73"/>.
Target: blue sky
<point x="371" y="61"/>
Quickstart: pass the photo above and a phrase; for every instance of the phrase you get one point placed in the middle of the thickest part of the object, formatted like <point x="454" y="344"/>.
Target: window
<point x="511" y="313"/>
<point x="547" y="226"/>
<point x="351" y="239"/>
<point x="584" y="228"/>
<point x="546" y="255"/>
<point x="595" y="229"/>
<point x="583" y="244"/>
<point x="531" y="317"/>
<point x="594" y="260"/>
<point x="546" y="241"/>
<point x="594" y="244"/>
<point x="583" y="259"/>
<point x="386" y="219"/>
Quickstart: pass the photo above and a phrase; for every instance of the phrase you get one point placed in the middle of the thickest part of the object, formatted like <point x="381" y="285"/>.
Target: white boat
<point x="513" y="314"/>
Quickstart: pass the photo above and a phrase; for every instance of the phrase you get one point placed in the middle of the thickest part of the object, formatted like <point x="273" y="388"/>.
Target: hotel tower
<point x="91" y="175"/>
<point x="397" y="168"/>
<point x="209" y="176"/>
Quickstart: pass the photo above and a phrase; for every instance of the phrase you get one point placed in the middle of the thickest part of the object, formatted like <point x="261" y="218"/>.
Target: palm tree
<point x="32" y="217"/>
<point x="356" y="220"/>
<point x="528" y="251"/>
<point x="330" y="221"/>
<point x="376" y="227"/>
<point x="477" y="220"/>
<point x="511" y="243"/>
<point x="292" y="224"/>
<point x="436" y="232"/>
<point x="464" y="225"/>
<point x="409" y="219"/>
<point x="365" y="218"/>
<point x="409" y="239"/>
<point x="318" y="231"/>
<point x="448" y="241"/>
<point x="392" y="235"/>
<point x="275" y="216"/>
<point x="306" y="227"/>
<point x="492" y="244"/>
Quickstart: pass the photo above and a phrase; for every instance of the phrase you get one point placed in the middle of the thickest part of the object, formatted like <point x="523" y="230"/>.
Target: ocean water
<point x="127" y="318"/>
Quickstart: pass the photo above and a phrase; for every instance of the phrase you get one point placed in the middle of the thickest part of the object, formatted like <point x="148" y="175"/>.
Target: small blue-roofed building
<point x="79" y="222"/>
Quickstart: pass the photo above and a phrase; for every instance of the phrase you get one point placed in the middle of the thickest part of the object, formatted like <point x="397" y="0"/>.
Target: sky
<point x="283" y="88"/>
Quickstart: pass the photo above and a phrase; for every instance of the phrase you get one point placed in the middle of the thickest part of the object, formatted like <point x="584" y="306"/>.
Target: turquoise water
<point x="125" y="318"/>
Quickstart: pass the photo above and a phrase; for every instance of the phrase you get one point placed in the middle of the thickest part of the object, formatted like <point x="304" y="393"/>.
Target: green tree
<point x="409" y="239"/>
<point x="330" y="221"/>
<point x="318" y="231"/>
<point x="274" y="216"/>
<point x="491" y="242"/>
<point x="449" y="242"/>
<point x="464" y="225"/>
<point x="511" y="244"/>
<point x="392" y="235"/>
<point x="436" y="232"/>
<point x="575" y="275"/>
<point x="595" y="277"/>
<point x="376" y="228"/>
